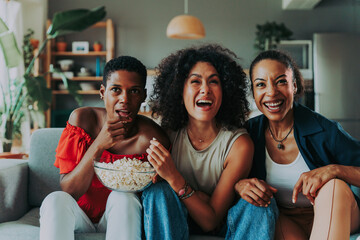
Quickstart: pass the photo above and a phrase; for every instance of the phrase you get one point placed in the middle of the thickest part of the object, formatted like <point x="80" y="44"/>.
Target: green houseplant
<point x="31" y="92"/>
<point x="269" y="34"/>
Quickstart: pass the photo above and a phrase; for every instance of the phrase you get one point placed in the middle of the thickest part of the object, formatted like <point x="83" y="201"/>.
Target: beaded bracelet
<point x="187" y="196"/>
<point x="183" y="190"/>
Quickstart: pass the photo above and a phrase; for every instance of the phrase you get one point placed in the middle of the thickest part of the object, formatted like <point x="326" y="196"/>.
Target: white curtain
<point x="11" y="13"/>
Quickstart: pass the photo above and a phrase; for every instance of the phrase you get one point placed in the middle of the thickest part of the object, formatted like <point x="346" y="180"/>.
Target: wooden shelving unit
<point x="71" y="54"/>
<point x="52" y="55"/>
<point x="89" y="78"/>
<point x="87" y="92"/>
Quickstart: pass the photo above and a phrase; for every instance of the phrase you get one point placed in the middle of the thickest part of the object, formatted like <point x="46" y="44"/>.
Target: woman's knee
<point x="336" y="188"/>
<point x="58" y="199"/>
<point x="243" y="207"/>
<point x="123" y="200"/>
<point x="245" y="219"/>
<point x="159" y="190"/>
<point x="56" y="203"/>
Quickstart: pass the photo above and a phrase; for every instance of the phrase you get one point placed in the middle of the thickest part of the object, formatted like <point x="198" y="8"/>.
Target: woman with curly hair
<point x="200" y="95"/>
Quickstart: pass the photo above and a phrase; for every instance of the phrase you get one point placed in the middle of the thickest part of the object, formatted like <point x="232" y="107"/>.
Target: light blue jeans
<point x="165" y="217"/>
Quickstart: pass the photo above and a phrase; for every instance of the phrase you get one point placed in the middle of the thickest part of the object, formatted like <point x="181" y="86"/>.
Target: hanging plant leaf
<point x="38" y="92"/>
<point x="74" y="21"/>
<point x="3" y="27"/>
<point x="73" y="87"/>
<point x="10" y="49"/>
<point x="38" y="117"/>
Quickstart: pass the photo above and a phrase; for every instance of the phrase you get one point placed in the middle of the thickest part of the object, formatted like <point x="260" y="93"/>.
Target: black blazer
<point x="321" y="141"/>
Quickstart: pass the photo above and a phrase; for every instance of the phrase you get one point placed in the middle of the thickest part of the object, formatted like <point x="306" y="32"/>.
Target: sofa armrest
<point x="13" y="189"/>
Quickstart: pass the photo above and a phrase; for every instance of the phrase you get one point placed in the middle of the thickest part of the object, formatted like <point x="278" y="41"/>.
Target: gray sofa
<point x="24" y="184"/>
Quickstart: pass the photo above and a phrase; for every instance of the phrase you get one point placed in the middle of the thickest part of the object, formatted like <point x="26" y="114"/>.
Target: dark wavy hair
<point x="167" y="99"/>
<point x="127" y="63"/>
<point x="285" y="59"/>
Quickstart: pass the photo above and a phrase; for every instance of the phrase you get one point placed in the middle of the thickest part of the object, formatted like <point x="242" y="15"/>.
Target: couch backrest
<point x="43" y="175"/>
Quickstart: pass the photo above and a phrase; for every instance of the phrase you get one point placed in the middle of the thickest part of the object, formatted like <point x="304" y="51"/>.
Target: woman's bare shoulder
<point x="88" y="118"/>
<point x="242" y="149"/>
<point x="150" y="129"/>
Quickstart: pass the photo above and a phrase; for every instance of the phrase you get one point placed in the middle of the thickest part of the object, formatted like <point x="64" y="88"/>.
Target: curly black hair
<point x="127" y="63"/>
<point x="287" y="61"/>
<point x="167" y="98"/>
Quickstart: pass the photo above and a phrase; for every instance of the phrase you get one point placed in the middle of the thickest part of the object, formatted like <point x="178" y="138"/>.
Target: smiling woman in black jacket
<point x="303" y="159"/>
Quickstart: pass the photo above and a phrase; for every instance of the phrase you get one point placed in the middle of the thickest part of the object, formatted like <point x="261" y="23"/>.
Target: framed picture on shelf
<point x="80" y="47"/>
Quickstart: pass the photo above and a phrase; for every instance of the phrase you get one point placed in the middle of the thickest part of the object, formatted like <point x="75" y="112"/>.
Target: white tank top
<point x="202" y="168"/>
<point x="284" y="177"/>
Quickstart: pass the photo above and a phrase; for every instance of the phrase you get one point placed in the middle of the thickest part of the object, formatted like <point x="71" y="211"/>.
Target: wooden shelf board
<point x="65" y="92"/>
<point x="89" y="78"/>
<point x="99" y="25"/>
<point x="90" y="53"/>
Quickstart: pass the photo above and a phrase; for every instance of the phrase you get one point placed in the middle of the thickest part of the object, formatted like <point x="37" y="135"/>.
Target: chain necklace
<point x="201" y="140"/>
<point x="280" y="145"/>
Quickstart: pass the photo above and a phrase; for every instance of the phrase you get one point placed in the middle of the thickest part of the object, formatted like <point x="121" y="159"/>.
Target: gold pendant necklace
<point x="280" y="145"/>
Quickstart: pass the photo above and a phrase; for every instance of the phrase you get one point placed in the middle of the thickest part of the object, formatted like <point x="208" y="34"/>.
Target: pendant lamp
<point x="185" y="26"/>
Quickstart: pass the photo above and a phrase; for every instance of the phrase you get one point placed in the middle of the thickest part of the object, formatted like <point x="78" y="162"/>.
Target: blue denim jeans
<point x="165" y="217"/>
<point x="246" y="221"/>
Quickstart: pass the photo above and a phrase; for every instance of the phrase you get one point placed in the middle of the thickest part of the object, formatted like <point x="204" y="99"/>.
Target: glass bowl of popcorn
<point x="125" y="174"/>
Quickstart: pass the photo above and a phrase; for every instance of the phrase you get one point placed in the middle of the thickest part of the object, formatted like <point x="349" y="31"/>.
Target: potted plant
<point x="61" y="45"/>
<point x="97" y="46"/>
<point x="31" y="92"/>
<point x="29" y="45"/>
<point x="269" y="35"/>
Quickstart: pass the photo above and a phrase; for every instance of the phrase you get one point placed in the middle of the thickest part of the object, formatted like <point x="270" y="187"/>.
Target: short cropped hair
<point x="126" y="63"/>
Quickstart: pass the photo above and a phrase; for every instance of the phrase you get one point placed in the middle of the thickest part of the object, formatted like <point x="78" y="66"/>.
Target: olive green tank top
<point x="202" y="168"/>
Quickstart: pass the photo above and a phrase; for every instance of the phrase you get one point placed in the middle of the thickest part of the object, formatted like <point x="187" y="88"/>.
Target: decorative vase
<point x="6" y="145"/>
<point x="97" y="47"/>
<point x="6" y="135"/>
<point x="34" y="43"/>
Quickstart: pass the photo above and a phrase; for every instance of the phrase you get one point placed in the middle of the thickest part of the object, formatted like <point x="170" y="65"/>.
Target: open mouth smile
<point x="274" y="106"/>
<point x="204" y="104"/>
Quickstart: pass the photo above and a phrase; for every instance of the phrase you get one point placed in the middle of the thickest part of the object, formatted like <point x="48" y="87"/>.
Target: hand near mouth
<point x="125" y="120"/>
<point x="113" y="131"/>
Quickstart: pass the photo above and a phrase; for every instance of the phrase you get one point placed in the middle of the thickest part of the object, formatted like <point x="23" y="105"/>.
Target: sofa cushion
<point x="28" y="228"/>
<point x="43" y="175"/>
<point x="13" y="189"/>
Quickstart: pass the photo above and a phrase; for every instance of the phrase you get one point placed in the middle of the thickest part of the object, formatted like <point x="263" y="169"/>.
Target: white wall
<point x="34" y="16"/>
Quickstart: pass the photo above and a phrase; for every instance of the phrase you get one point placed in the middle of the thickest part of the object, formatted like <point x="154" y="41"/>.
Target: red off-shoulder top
<point x="72" y="146"/>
